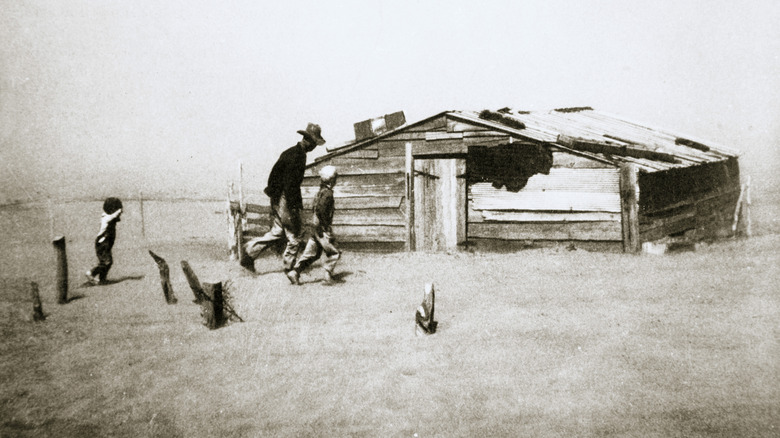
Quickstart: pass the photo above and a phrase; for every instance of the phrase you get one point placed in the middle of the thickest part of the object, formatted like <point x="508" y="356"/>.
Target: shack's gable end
<point x="441" y="135"/>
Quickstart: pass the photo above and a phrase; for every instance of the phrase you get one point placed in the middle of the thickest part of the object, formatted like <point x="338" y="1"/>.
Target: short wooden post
<point x="241" y="204"/>
<point x="212" y="308"/>
<point x="748" y="225"/>
<point x="409" y="203"/>
<point x="424" y="320"/>
<point x="741" y="225"/>
<point x="202" y="297"/>
<point x="37" y="314"/>
<point x="738" y="210"/>
<point x="240" y="250"/>
<point x="241" y="222"/>
<point x="192" y="279"/>
<point x="141" y="208"/>
<point x="165" y="278"/>
<point x="629" y="206"/>
<point x="62" y="269"/>
<point x="231" y="223"/>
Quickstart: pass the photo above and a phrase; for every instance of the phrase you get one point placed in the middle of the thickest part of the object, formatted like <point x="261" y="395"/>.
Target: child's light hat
<point x="327" y="173"/>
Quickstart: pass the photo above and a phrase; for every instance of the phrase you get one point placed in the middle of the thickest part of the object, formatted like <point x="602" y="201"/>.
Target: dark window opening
<point x="508" y="165"/>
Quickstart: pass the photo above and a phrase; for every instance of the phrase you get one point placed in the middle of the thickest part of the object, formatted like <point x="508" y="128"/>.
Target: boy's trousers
<point x="316" y="245"/>
<point x="105" y="259"/>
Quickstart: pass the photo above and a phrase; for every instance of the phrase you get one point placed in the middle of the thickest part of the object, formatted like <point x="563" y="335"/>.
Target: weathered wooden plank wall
<point x="578" y="201"/>
<point x="369" y="195"/>
<point x="694" y="203"/>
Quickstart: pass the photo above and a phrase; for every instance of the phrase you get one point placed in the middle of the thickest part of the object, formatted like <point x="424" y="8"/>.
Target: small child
<point x="322" y="238"/>
<point x="104" y="242"/>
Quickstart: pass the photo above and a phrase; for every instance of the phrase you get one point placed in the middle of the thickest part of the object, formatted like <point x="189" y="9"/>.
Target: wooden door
<point x="439" y="203"/>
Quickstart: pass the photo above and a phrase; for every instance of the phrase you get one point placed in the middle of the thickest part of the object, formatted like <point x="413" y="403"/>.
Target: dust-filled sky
<point x="167" y="97"/>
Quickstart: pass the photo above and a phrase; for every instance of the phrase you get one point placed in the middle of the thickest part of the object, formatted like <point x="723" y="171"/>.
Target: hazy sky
<point x="166" y="97"/>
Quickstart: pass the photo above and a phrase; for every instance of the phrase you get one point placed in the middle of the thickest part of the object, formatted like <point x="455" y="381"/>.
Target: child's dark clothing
<point x="104" y="242"/>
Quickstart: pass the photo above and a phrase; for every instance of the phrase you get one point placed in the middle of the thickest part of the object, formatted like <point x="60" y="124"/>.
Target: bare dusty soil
<point x="533" y="343"/>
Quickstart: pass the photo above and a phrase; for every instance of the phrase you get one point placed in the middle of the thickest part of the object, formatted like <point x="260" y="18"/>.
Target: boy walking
<point x="104" y="242"/>
<point x="322" y="238"/>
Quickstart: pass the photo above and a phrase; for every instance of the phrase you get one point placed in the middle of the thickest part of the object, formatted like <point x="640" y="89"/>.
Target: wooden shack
<point x="574" y="177"/>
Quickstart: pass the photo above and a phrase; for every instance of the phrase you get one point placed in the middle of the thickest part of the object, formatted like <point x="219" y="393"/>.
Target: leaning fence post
<point x="36" y="300"/>
<point x="192" y="279"/>
<point x="165" y="278"/>
<point x="62" y="269"/>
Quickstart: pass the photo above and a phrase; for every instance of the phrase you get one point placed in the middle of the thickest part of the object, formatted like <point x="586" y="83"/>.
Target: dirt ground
<point x="539" y="342"/>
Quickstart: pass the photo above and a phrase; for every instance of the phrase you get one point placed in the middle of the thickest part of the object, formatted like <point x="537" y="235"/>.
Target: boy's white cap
<point x="327" y="173"/>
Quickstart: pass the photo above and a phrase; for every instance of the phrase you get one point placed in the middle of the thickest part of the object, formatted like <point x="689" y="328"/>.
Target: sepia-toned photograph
<point x="389" y="219"/>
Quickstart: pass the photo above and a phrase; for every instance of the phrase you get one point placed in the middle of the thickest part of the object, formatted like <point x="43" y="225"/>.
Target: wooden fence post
<point x="409" y="203"/>
<point x="241" y="222"/>
<point x="629" y="208"/>
<point x="748" y="225"/>
<point x="241" y="204"/>
<point x="240" y="250"/>
<point x="232" y="248"/>
<point x="165" y="278"/>
<point x="213" y="308"/>
<point x="192" y="279"/>
<point x="425" y="324"/>
<point x="36" y="300"/>
<point x="62" y="269"/>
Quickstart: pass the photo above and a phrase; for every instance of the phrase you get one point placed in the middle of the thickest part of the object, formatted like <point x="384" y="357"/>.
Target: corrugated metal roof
<point x="591" y="125"/>
<point x="588" y="125"/>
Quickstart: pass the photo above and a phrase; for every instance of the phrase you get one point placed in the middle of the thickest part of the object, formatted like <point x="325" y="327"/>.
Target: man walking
<point x="284" y="189"/>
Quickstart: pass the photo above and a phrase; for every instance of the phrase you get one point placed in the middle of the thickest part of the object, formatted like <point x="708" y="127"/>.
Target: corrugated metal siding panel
<point x="539" y="216"/>
<point x="576" y="180"/>
<point x="485" y="197"/>
<point x="562" y="190"/>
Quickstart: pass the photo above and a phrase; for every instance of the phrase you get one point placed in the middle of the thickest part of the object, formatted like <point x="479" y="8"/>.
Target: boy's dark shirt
<point x="111" y="232"/>
<point x="324" y="207"/>
<point x="286" y="177"/>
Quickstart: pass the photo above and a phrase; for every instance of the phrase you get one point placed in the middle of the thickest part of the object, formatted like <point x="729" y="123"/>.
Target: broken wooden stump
<point x="212" y="309"/>
<point x="165" y="278"/>
<point x="37" y="314"/>
<point x="62" y="269"/>
<point x="205" y="297"/>
<point x="424" y="322"/>
<point x="192" y="279"/>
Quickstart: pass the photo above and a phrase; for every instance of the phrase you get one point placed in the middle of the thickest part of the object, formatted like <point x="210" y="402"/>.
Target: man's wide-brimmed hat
<point x="313" y="133"/>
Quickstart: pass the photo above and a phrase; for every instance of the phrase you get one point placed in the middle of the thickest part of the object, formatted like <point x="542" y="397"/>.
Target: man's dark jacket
<point x="286" y="177"/>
